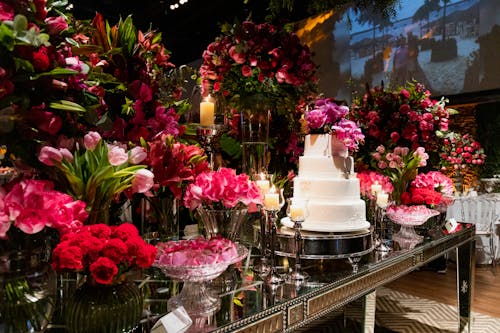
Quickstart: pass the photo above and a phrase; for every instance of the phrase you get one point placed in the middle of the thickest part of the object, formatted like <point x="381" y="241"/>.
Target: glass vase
<point x="222" y="222"/>
<point x="255" y="115"/>
<point x="27" y="292"/>
<point x="96" y="308"/>
<point x="161" y="218"/>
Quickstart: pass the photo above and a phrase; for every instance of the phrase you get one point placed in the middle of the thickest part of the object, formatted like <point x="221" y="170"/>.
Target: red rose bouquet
<point x="103" y="252"/>
<point x="433" y="189"/>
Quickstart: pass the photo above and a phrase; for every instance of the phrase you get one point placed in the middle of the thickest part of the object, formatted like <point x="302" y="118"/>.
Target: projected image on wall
<point x="451" y="46"/>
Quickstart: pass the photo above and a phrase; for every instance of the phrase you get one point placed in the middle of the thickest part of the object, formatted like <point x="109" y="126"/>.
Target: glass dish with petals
<point x="408" y="217"/>
<point x="196" y="296"/>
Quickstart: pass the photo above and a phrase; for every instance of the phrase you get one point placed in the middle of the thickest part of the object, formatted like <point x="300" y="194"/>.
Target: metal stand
<point x="273" y="277"/>
<point x="297" y="276"/>
<point x="263" y="268"/>
<point x="381" y="242"/>
<point x="205" y="136"/>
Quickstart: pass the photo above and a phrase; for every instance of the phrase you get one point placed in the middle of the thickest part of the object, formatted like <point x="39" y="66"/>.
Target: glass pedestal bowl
<point x="199" y="300"/>
<point x="408" y="217"/>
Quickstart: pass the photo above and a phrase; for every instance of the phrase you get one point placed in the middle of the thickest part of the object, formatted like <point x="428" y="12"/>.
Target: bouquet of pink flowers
<point x="223" y="189"/>
<point x="433" y="189"/>
<point x="100" y="172"/>
<point x="400" y="165"/>
<point x="328" y="116"/>
<point x="369" y="178"/>
<point x="31" y="205"/>
<point x="103" y="252"/>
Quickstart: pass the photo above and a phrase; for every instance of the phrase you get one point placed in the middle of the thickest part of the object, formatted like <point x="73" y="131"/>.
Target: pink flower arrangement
<point x="405" y="117"/>
<point x="32" y="205"/>
<point x="196" y="252"/>
<point x="103" y="252"/>
<point x="433" y="189"/>
<point x="461" y="152"/>
<point x="369" y="178"/>
<point x="100" y="172"/>
<point x="328" y="116"/>
<point x="400" y="165"/>
<point x="222" y="189"/>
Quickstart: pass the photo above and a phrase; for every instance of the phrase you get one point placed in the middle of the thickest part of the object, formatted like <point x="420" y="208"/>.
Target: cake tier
<point x="332" y="227"/>
<point x="324" y="145"/>
<point x="326" y="166"/>
<point x="331" y="189"/>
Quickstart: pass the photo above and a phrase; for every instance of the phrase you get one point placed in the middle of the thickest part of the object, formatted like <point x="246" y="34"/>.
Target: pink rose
<point x="117" y="155"/>
<point x="143" y="181"/>
<point x="91" y="139"/>
<point x="56" y="24"/>
<point x="246" y="71"/>
<point x="238" y="57"/>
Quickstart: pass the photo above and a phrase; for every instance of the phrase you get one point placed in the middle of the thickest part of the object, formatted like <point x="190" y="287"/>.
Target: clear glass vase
<point x="222" y="222"/>
<point x="161" y="218"/>
<point x="27" y="292"/>
<point x="255" y="116"/>
<point x="97" y="308"/>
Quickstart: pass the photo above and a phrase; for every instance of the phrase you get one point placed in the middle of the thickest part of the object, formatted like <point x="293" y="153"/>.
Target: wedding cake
<point x="326" y="182"/>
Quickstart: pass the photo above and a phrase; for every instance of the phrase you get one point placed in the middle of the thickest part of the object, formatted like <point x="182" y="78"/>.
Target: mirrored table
<point x="249" y="305"/>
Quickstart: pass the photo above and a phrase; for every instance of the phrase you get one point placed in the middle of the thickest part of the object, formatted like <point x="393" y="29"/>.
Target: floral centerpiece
<point x="432" y="189"/>
<point x="249" y="60"/>
<point x="222" y="199"/>
<point x="461" y="153"/>
<point x="99" y="172"/>
<point x="329" y="117"/>
<point x="400" y="165"/>
<point x="103" y="252"/>
<point x="32" y="213"/>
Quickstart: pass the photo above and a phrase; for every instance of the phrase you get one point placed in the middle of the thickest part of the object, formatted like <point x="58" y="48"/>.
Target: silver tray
<point x="322" y="245"/>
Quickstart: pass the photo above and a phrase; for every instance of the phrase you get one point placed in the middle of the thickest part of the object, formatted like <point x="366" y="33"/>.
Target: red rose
<point x="41" y="60"/>
<point x="146" y="255"/>
<point x="67" y="257"/>
<point x="115" y="249"/>
<point x="103" y="270"/>
<point x="125" y="231"/>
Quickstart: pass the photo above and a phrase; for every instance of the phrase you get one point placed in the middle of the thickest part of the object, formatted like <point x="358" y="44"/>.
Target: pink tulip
<point x="143" y="181"/>
<point x="91" y="139"/>
<point x="117" y="155"/>
<point x="50" y="156"/>
<point x="137" y="155"/>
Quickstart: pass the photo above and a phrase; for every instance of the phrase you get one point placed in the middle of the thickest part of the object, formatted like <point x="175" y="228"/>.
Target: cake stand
<point x="199" y="300"/>
<point x="408" y="217"/>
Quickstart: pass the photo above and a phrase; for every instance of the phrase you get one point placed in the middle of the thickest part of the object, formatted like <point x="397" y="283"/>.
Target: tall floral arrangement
<point x="404" y="117"/>
<point x="251" y="59"/>
<point x="138" y="91"/>
<point x="42" y="80"/>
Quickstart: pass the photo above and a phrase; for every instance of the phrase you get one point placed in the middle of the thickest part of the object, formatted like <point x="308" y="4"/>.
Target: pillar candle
<point x="207" y="113"/>
<point x="263" y="185"/>
<point x="271" y="201"/>
<point x="376" y="187"/>
<point x="297" y="212"/>
<point x="382" y="199"/>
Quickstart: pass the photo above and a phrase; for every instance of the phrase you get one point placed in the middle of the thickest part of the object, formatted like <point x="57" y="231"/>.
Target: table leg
<point x="465" y="284"/>
<point x="369" y="307"/>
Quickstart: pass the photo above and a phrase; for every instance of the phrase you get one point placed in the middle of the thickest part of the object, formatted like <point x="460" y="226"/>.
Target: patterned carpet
<point x="402" y="313"/>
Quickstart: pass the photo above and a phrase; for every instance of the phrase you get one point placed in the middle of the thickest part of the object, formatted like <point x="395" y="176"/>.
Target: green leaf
<point x="7" y="37"/>
<point x="127" y="35"/>
<point x="57" y="72"/>
<point x="67" y="106"/>
<point x="230" y="146"/>
<point x="20" y="23"/>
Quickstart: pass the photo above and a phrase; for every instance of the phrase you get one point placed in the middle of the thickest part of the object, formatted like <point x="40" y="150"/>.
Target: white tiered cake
<point x="327" y="183"/>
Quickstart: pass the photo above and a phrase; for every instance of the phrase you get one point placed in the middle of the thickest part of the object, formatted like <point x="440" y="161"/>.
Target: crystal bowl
<point x="201" y="273"/>
<point x="410" y="215"/>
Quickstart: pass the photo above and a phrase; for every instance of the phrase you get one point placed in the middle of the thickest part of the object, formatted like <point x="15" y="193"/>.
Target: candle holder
<point x="263" y="267"/>
<point x="297" y="276"/>
<point x="381" y="241"/>
<point x="206" y="135"/>
<point x="271" y="217"/>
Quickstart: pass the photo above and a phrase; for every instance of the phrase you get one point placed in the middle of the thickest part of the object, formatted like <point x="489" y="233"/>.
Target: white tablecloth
<point x="483" y="211"/>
